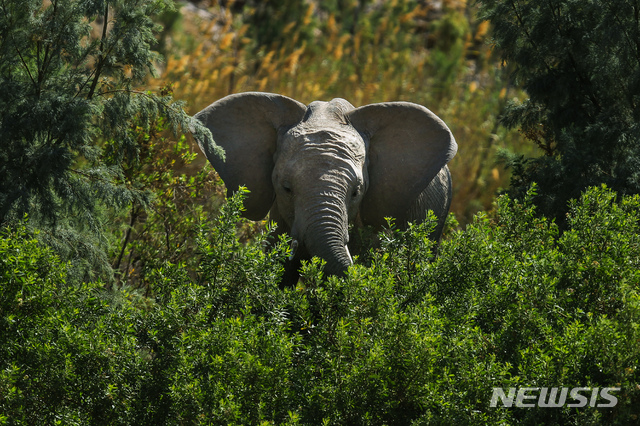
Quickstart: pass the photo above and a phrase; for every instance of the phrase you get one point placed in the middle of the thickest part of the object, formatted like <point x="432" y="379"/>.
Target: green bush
<point x="66" y="355"/>
<point x="509" y="302"/>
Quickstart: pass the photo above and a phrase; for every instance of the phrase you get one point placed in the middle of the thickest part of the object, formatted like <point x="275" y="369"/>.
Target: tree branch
<point x="103" y="56"/>
<point x="127" y="235"/>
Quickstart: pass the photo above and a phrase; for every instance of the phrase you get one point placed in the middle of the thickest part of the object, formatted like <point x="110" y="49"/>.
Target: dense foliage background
<point x="132" y="293"/>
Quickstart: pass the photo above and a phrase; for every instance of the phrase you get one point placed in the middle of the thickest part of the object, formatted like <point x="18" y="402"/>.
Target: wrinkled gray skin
<point x="315" y="169"/>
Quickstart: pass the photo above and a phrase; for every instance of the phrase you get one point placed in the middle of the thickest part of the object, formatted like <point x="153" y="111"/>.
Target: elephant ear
<point x="246" y="126"/>
<point x="408" y="145"/>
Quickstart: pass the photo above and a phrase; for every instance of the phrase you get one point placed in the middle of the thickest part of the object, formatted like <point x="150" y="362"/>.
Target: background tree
<point x="68" y="74"/>
<point x="579" y="62"/>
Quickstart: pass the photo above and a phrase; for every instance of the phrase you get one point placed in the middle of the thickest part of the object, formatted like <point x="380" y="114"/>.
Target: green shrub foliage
<point x="509" y="302"/>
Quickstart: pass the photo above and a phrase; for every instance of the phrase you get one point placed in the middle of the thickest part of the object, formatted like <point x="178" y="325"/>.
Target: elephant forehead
<point x="328" y="168"/>
<point x="342" y="141"/>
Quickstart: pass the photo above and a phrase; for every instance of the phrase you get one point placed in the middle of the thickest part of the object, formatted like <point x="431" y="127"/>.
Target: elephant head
<point x="318" y="168"/>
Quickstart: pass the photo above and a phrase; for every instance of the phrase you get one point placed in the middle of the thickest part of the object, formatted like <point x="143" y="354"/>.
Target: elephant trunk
<point x="327" y="237"/>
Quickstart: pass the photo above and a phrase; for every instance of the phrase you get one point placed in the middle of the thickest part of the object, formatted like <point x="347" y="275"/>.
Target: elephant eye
<point x="286" y="188"/>
<point x="355" y="192"/>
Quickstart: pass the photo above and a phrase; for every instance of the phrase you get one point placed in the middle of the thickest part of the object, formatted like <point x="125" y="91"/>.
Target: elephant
<point x="317" y="169"/>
